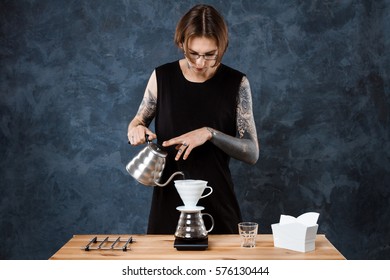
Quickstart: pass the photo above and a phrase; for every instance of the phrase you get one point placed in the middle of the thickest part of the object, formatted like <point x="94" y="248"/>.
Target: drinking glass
<point x="248" y="233"/>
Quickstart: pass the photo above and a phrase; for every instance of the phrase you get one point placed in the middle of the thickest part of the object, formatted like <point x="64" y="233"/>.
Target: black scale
<point x="190" y="244"/>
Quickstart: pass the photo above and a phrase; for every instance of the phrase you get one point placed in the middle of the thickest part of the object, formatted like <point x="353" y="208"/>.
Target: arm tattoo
<point x="147" y="109"/>
<point x="246" y="146"/>
<point x="245" y="123"/>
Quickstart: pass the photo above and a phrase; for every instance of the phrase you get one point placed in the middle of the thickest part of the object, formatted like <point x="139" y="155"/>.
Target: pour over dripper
<point x="191" y="191"/>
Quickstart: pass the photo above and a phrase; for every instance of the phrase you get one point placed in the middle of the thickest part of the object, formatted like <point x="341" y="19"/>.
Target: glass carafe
<point x="191" y="225"/>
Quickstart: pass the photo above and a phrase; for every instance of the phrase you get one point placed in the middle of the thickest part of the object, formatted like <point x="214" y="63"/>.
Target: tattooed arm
<point x="138" y="127"/>
<point x="246" y="146"/>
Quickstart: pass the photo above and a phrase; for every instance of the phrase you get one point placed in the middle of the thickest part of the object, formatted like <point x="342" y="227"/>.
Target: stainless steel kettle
<point x="147" y="167"/>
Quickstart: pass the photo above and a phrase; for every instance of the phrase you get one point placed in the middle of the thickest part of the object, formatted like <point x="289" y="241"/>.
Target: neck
<point x="191" y="73"/>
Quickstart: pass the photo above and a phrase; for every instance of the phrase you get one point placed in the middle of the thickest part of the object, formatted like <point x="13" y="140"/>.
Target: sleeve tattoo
<point x="147" y="108"/>
<point x="245" y="147"/>
<point x="245" y="122"/>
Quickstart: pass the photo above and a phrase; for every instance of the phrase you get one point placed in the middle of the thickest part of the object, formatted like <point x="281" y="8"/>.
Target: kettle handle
<point x="212" y="221"/>
<point x="147" y="138"/>
<point x="172" y="176"/>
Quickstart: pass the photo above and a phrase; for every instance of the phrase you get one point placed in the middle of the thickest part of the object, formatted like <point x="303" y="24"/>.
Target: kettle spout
<point x="170" y="179"/>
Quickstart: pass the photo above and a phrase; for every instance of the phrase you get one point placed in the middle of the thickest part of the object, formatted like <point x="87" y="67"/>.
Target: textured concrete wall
<point x="73" y="74"/>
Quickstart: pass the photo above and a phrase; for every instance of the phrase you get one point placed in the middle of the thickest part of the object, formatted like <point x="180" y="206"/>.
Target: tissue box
<point x="298" y="234"/>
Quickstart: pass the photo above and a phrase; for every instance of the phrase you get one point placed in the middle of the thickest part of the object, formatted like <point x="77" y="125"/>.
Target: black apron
<point x="183" y="106"/>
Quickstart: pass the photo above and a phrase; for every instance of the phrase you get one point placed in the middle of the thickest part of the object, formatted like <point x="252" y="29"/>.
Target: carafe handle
<point x="212" y="221"/>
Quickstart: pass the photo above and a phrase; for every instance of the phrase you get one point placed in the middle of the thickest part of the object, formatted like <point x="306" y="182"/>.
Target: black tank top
<point x="183" y="106"/>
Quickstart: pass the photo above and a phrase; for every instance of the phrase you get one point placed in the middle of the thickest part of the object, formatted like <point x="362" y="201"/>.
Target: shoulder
<point x="227" y="70"/>
<point x="167" y="66"/>
<point x="232" y="75"/>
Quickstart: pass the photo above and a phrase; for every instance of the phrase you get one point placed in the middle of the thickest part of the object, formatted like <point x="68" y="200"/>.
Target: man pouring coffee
<point x="203" y="117"/>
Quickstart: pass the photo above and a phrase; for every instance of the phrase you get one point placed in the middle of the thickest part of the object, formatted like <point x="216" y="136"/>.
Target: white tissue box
<point x="298" y="234"/>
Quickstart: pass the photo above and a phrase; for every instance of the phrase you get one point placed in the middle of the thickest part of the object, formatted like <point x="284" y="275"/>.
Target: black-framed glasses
<point x="193" y="56"/>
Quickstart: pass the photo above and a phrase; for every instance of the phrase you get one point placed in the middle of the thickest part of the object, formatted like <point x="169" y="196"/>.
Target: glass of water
<point x="248" y="233"/>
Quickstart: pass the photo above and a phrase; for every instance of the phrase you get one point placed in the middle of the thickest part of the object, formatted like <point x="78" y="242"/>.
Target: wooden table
<point x="220" y="247"/>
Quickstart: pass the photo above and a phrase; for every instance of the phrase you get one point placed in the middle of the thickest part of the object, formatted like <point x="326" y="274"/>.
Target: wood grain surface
<point x="160" y="247"/>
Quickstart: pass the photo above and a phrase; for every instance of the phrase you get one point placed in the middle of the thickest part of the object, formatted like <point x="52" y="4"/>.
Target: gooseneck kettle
<point x="147" y="167"/>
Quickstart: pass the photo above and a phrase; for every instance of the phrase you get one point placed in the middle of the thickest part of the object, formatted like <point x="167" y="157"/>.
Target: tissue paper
<point x="296" y="234"/>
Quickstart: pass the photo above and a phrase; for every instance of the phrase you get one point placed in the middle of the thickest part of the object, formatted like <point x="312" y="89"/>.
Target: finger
<point x="133" y="137"/>
<point x="129" y="134"/>
<point x="151" y="136"/>
<point x="173" y="141"/>
<point x="131" y="140"/>
<point x="179" y="152"/>
<point x="187" y="153"/>
<point x="167" y="143"/>
<point x="140" y="135"/>
<point x="181" y="146"/>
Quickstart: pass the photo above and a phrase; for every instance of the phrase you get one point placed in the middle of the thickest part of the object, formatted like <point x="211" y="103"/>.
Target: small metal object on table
<point x="115" y="245"/>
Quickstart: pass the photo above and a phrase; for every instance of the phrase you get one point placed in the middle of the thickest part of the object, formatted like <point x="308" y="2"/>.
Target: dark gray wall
<point x="73" y="74"/>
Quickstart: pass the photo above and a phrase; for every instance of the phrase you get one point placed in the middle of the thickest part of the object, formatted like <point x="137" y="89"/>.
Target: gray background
<point x="73" y="74"/>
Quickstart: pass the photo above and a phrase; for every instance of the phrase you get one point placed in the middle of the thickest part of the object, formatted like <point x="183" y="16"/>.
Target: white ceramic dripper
<point x="191" y="191"/>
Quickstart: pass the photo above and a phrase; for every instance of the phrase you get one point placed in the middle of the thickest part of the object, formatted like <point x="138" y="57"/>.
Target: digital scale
<point x="190" y="244"/>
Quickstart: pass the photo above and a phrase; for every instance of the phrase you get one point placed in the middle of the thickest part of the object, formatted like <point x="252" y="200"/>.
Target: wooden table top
<point x="160" y="247"/>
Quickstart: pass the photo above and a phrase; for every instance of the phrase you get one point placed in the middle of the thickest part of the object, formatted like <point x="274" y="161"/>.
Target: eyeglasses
<point x="195" y="56"/>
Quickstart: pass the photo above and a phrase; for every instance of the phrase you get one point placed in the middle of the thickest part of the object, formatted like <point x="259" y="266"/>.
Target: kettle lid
<point x="157" y="150"/>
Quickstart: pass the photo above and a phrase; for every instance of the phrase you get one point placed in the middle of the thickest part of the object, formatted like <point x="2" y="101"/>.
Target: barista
<point x="203" y="117"/>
